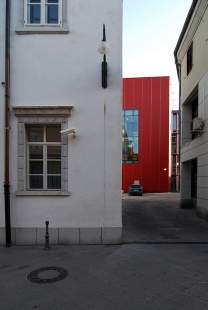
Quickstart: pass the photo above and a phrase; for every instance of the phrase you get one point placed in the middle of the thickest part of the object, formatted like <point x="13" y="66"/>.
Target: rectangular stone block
<point x="90" y="235"/>
<point x="26" y="236"/>
<point x="2" y="236"/>
<point x="13" y="235"/>
<point x="53" y="232"/>
<point x="41" y="235"/>
<point x="68" y="236"/>
<point x="111" y="235"/>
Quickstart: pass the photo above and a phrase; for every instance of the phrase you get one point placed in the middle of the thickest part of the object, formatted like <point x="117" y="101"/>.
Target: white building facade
<point x="71" y="180"/>
<point x="192" y="66"/>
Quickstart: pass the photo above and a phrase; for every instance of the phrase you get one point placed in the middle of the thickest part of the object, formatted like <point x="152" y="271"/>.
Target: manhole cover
<point x="47" y="275"/>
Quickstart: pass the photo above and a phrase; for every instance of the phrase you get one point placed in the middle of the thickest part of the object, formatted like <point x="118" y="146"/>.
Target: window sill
<point x="42" y="30"/>
<point x="42" y="193"/>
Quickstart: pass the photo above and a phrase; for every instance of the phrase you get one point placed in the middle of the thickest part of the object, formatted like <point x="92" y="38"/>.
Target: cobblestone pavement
<point x="162" y="264"/>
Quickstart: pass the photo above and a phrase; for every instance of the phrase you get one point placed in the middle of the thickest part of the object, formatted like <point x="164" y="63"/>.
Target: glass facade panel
<point x="130" y="145"/>
<point x="174" y="122"/>
<point x="174" y="146"/>
<point x="174" y="164"/>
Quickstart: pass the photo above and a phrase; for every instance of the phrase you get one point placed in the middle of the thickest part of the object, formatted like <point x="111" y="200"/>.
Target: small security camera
<point x="67" y="131"/>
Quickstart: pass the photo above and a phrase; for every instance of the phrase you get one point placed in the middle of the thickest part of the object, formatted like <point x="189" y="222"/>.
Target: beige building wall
<point x="194" y="86"/>
<point x="197" y="31"/>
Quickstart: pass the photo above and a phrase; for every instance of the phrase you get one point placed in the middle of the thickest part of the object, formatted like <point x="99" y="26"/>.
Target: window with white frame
<point x="43" y="157"/>
<point x="43" y="12"/>
<point x="42" y="150"/>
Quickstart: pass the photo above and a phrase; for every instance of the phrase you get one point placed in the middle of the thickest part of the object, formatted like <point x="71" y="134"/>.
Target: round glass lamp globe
<point x="103" y="48"/>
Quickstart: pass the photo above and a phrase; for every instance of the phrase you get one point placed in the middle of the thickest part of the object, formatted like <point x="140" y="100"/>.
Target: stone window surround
<point x="22" y="29"/>
<point x="42" y="115"/>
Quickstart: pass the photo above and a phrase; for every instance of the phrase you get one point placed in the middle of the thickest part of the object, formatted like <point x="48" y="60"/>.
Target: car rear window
<point x="135" y="186"/>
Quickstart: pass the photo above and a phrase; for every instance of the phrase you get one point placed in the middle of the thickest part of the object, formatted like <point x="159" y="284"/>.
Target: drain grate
<point x="165" y="242"/>
<point x="47" y="275"/>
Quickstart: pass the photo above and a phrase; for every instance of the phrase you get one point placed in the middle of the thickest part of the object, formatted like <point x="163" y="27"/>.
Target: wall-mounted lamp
<point x="104" y="49"/>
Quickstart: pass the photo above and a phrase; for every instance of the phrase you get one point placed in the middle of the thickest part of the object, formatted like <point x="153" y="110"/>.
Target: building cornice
<point x="35" y="111"/>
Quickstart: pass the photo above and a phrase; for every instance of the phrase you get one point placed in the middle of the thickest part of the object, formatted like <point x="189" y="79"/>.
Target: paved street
<point x="162" y="264"/>
<point x="158" y="218"/>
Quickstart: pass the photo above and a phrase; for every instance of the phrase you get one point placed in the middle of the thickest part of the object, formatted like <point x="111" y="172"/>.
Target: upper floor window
<point x="43" y="12"/>
<point x="174" y="122"/>
<point x="190" y="58"/>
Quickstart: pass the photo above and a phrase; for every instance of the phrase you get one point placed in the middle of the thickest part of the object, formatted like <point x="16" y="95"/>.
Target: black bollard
<point x="47" y="247"/>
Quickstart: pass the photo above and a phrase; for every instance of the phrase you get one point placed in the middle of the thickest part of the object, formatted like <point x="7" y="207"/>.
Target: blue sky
<point x="150" y="33"/>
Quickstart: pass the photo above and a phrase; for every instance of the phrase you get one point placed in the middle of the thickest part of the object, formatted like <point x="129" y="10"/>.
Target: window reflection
<point x="130" y="136"/>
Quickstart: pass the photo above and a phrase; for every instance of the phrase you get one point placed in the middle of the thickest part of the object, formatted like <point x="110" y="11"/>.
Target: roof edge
<point x="185" y="26"/>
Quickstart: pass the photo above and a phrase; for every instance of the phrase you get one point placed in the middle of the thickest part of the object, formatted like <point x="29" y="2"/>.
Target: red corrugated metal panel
<point x="150" y="96"/>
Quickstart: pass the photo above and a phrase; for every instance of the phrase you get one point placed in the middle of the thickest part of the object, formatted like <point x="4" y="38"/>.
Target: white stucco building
<point x="55" y="84"/>
<point x="192" y="66"/>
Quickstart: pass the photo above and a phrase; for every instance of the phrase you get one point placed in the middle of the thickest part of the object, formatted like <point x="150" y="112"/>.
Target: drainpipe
<point x="7" y="104"/>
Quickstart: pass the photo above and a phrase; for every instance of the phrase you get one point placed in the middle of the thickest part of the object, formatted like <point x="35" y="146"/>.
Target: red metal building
<point x="146" y="133"/>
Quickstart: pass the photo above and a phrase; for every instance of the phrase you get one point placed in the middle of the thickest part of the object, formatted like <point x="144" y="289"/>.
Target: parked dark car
<point x="135" y="190"/>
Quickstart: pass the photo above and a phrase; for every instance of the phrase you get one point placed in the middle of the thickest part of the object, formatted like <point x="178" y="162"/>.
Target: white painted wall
<point x="54" y="69"/>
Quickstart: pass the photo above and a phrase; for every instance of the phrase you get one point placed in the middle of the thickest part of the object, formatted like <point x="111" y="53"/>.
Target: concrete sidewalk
<point x="132" y="276"/>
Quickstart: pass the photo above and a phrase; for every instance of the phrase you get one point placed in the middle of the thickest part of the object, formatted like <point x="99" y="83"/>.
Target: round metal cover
<point x="47" y="275"/>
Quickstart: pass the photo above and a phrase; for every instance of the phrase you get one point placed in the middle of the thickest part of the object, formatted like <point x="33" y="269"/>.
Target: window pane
<point x="35" y="152"/>
<point x="36" y="182"/>
<point x="33" y="1"/>
<point x="174" y="122"/>
<point x="54" y="182"/>
<point x="51" y="14"/>
<point x="129" y="112"/>
<point x="51" y="1"/>
<point x="36" y="167"/>
<point x="35" y="134"/>
<point x="173" y="183"/>
<point x="129" y="125"/>
<point x="54" y="167"/>
<point x="135" y="126"/>
<point x="33" y="14"/>
<point x="53" y="134"/>
<point x="130" y="136"/>
<point x="54" y="152"/>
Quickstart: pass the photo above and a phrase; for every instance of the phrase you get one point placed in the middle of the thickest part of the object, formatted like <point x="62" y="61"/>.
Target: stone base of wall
<point x="202" y="213"/>
<point x="64" y="236"/>
<point x="188" y="203"/>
